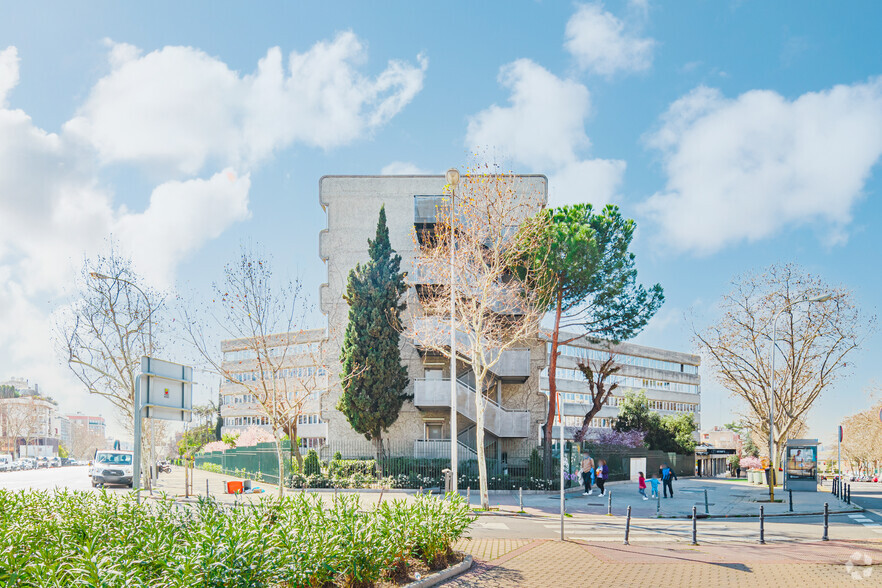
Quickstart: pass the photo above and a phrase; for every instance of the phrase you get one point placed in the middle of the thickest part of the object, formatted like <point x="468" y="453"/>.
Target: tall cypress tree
<point x="372" y="375"/>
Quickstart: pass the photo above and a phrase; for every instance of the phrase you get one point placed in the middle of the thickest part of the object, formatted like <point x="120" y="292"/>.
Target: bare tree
<point x="495" y="307"/>
<point x="598" y="374"/>
<point x="860" y="443"/>
<point x="266" y="319"/>
<point x="107" y="329"/>
<point x="19" y="420"/>
<point x="84" y="441"/>
<point x="814" y="339"/>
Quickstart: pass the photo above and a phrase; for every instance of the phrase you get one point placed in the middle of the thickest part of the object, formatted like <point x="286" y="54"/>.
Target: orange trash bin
<point x="234" y="487"/>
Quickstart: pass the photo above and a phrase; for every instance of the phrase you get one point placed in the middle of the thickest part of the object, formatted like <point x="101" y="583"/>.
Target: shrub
<point x="211" y="467"/>
<point x="311" y="465"/>
<point x="111" y="540"/>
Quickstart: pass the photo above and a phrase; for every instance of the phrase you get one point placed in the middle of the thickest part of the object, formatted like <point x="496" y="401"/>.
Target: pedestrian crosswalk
<point x="868" y="522"/>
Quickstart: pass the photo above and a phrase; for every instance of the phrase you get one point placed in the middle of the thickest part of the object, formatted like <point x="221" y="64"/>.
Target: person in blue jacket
<point x="667" y="476"/>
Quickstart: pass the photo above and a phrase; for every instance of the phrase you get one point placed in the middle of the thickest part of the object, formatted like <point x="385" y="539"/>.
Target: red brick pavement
<point x="552" y="563"/>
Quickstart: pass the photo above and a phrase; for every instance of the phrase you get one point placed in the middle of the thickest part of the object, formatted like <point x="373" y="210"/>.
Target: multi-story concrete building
<point x="93" y="424"/>
<point x="352" y="204"/>
<point x="302" y="378"/>
<point x="669" y="378"/>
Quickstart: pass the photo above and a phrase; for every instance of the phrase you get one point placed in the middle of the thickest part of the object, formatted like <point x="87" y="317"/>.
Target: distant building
<point x="26" y="426"/>
<point x="715" y="448"/>
<point x="87" y="433"/>
<point x="240" y="409"/>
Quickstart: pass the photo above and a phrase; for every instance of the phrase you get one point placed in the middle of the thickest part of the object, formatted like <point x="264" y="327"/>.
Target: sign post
<point x="839" y="452"/>
<point x="163" y="390"/>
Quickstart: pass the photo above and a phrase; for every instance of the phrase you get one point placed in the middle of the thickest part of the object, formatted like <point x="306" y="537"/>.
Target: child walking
<point x="641" y="485"/>
<point x="654" y="482"/>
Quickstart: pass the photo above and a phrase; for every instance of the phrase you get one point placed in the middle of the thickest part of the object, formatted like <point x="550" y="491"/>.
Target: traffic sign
<point x="166" y="390"/>
<point x="840" y="430"/>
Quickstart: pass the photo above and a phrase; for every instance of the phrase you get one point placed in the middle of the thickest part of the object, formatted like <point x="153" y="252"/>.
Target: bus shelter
<point x="801" y="465"/>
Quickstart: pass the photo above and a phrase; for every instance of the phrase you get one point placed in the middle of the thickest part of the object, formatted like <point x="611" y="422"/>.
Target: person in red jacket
<point x="641" y="485"/>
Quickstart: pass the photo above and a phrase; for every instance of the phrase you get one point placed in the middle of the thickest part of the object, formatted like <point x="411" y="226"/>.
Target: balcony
<point x="497" y="420"/>
<point x="512" y="366"/>
<point x="313" y="430"/>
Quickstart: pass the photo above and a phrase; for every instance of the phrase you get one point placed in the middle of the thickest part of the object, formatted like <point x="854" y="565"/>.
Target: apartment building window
<point x="308" y="419"/>
<point x="434" y="432"/>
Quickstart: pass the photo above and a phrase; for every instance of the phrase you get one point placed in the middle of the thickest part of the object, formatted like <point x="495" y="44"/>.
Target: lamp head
<point x="453" y="176"/>
<point x="821" y="298"/>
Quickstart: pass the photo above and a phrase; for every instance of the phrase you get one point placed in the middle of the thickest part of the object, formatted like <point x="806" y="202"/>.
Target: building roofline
<point x="627" y="348"/>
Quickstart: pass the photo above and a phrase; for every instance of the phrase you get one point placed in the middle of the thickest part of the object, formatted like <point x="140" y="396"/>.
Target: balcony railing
<point x="497" y="420"/>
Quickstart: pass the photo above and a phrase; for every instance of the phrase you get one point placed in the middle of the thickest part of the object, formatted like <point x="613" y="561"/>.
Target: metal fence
<point x="419" y="464"/>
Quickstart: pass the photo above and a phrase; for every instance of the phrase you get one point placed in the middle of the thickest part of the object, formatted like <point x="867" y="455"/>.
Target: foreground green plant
<point x="53" y="539"/>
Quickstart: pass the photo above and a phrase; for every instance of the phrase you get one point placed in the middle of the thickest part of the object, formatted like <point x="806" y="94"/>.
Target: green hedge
<point x="111" y="540"/>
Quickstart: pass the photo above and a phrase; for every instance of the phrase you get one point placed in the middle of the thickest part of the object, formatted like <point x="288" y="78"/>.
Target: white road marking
<point x="497" y="526"/>
<point x="855" y="516"/>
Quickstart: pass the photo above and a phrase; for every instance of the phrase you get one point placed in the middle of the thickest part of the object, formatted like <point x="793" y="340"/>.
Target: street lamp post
<point x="150" y="309"/>
<point x="772" y="466"/>
<point x="452" y="177"/>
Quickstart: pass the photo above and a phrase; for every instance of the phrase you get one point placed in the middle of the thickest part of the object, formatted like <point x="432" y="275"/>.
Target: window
<point x="433" y="432"/>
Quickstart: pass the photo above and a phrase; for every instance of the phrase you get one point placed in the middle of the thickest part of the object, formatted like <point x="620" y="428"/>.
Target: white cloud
<point x="8" y="72"/>
<point x="199" y="128"/>
<point x="743" y="169"/>
<point x="594" y="180"/>
<point x="543" y="129"/>
<point x="544" y="125"/>
<point x="181" y="109"/>
<point x="403" y="168"/>
<point x="601" y="43"/>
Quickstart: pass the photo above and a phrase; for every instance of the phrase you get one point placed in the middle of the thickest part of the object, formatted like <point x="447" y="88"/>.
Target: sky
<point x="737" y="135"/>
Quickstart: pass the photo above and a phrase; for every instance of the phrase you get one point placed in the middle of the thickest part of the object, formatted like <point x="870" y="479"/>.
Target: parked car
<point x="5" y="462"/>
<point x="112" y="467"/>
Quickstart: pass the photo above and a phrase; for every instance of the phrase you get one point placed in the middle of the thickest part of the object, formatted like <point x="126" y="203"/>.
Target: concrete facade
<point x="352" y="204"/>
<point x="301" y="374"/>
<point x="670" y="379"/>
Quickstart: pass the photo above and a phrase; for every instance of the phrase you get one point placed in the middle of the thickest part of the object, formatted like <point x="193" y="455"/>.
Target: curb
<point x="443" y="575"/>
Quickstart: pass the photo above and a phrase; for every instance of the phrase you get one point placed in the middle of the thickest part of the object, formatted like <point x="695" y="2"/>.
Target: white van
<point x="111" y="466"/>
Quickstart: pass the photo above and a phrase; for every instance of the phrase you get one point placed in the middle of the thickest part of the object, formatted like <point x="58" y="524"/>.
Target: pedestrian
<point x="654" y="482"/>
<point x="602" y="474"/>
<point x="641" y="485"/>
<point x="587" y="472"/>
<point x="668" y="476"/>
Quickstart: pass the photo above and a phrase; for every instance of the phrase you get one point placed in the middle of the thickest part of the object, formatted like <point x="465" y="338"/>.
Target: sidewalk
<point x="539" y="563"/>
<point x="725" y="498"/>
<point x="173" y="485"/>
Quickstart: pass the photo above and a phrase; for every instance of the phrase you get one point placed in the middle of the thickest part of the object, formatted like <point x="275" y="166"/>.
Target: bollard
<point x="469" y="495"/>
<point x="826" y="521"/>
<point x="628" y="525"/>
<point x="790" y="491"/>
<point x="521" y="498"/>
<point x="658" y="504"/>
<point x="762" y="526"/>
<point x="694" y="527"/>
<point x="609" y="502"/>
<point x="848" y="494"/>
<point x="706" y="509"/>
<point x="206" y="487"/>
<point x="420" y="491"/>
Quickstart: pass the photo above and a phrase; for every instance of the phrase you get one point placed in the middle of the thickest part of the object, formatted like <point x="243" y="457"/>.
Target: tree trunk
<point x="552" y="387"/>
<point x="294" y="448"/>
<point x="281" y="459"/>
<point x="480" y="403"/>
<point x="379" y="452"/>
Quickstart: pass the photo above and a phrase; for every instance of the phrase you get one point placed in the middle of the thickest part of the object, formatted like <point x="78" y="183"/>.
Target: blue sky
<point x="116" y="117"/>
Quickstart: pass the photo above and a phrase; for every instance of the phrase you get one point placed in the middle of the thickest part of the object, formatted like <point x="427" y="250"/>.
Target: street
<point x="68" y="477"/>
